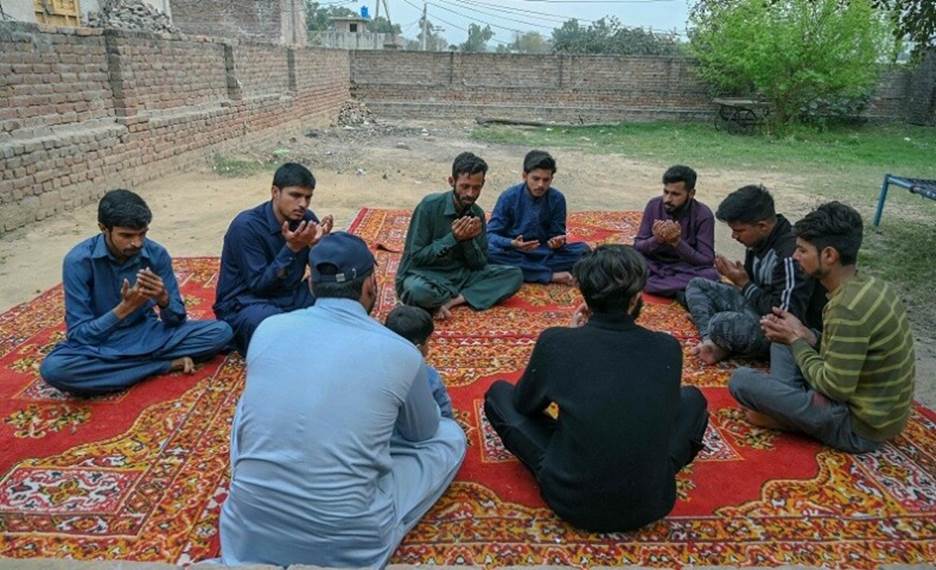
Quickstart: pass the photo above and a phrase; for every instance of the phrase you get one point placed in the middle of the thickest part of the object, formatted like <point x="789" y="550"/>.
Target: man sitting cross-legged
<point x="444" y="261"/>
<point x="625" y="425"/>
<point x="854" y="391"/>
<point x="264" y="255"/>
<point x="677" y="236"/>
<point x="337" y="447"/>
<point x="528" y="226"/>
<point x="113" y="284"/>
<point x="728" y="315"/>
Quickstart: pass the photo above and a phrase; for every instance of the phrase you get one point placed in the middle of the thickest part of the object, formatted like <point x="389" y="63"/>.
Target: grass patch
<point x="845" y="163"/>
<point x="237" y="167"/>
<point x="890" y="148"/>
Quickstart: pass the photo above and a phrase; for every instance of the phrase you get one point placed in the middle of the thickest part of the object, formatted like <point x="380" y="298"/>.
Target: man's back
<point x="325" y="386"/>
<point x="617" y="387"/>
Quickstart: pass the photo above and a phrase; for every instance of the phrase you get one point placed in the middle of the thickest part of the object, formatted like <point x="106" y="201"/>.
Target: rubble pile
<point x="131" y="15"/>
<point x="355" y="113"/>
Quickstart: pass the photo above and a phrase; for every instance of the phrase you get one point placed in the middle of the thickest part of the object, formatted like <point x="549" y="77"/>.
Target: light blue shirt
<point x="327" y="388"/>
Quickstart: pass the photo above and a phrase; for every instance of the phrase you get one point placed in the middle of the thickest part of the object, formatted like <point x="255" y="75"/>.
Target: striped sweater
<point x="866" y="357"/>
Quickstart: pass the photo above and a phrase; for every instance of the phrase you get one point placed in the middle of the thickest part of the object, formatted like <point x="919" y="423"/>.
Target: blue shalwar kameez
<point x="517" y="213"/>
<point x="103" y="353"/>
<point x="337" y="447"/>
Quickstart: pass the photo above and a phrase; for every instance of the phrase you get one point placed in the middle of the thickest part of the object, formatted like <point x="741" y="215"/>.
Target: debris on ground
<point x="131" y="15"/>
<point x="355" y="113"/>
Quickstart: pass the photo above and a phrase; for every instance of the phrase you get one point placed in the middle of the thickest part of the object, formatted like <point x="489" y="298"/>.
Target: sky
<point x="508" y="16"/>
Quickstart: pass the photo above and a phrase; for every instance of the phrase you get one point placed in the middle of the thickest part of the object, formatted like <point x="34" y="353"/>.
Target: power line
<point x="525" y="22"/>
<point x="480" y="21"/>
<point x="521" y="11"/>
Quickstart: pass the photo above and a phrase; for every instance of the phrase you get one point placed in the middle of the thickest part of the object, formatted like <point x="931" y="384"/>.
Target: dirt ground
<point x="390" y="165"/>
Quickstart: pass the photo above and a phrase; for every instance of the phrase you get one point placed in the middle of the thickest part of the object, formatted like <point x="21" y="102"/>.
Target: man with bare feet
<point x="728" y="315"/>
<point x="263" y="259"/>
<point x="113" y="283"/>
<point x="677" y="236"/>
<point x="528" y="226"/>
<point x="444" y="260"/>
<point x="853" y="390"/>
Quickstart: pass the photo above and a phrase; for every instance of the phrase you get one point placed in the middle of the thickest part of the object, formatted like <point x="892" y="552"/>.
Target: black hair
<point x="412" y="323"/>
<point x="293" y="174"/>
<point x="680" y="173"/>
<point x="609" y="277"/>
<point x="538" y="159"/>
<point x="834" y="225"/>
<point x="747" y="205"/>
<point x="468" y="163"/>
<point x="333" y="290"/>
<point x="125" y="209"/>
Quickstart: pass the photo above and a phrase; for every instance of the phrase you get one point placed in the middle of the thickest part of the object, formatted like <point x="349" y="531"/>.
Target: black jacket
<point x="617" y="384"/>
<point x="778" y="281"/>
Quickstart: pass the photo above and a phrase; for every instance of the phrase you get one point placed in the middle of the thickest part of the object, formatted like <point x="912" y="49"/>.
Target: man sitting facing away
<point x="444" y="261"/>
<point x="728" y="315"/>
<point x="113" y="284"/>
<point x="337" y="447"/>
<point x="625" y="425"/>
<point x="264" y="255"/>
<point x="855" y="392"/>
<point x="528" y="226"/>
<point x="677" y="236"/>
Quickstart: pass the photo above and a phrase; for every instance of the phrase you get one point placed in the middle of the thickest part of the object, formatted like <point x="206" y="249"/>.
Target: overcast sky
<point x="542" y="16"/>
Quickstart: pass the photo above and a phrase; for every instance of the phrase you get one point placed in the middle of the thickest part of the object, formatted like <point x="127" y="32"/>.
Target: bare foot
<point x="563" y="278"/>
<point x="709" y="352"/>
<point x="445" y="311"/>
<point x="762" y="420"/>
<point x="185" y="365"/>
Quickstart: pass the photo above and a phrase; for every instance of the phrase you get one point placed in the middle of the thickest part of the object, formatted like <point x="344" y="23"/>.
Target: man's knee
<point x="743" y="386"/>
<point x="693" y="399"/>
<point x="417" y="291"/>
<point x="56" y="372"/>
<point x="498" y="397"/>
<point x="218" y="333"/>
<point x="453" y="437"/>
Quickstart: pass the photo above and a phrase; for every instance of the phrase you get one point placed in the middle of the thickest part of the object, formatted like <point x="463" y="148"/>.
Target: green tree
<point x="382" y="25"/>
<point x="477" y="39"/>
<point x="608" y="36"/>
<point x="797" y="54"/>
<point x="530" y="42"/>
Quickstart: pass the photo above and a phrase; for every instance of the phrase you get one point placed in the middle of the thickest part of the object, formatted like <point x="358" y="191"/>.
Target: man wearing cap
<point x="264" y="256"/>
<point x="445" y="259"/>
<point x="334" y="457"/>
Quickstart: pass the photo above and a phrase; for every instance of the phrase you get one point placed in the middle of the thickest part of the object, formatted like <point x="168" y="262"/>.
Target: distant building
<point x="276" y="21"/>
<point x="350" y="32"/>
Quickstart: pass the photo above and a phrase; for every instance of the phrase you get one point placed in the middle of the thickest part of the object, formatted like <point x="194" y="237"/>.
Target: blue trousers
<point x="539" y="264"/>
<point x="80" y="371"/>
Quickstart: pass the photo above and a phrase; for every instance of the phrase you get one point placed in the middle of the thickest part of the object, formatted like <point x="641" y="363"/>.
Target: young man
<point x="677" y="236"/>
<point x="444" y="260"/>
<point x="263" y="259"/>
<point x="337" y="447"/>
<point x="625" y="425"/>
<point x="113" y="284"/>
<point x="855" y="392"/>
<point x="728" y="316"/>
<point x="528" y="226"/>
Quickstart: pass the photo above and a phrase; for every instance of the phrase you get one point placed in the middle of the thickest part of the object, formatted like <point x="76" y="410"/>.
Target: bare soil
<point x="385" y="165"/>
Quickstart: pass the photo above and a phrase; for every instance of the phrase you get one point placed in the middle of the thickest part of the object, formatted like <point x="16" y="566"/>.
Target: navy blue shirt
<point x="517" y="212"/>
<point x="92" y="278"/>
<point x="256" y="264"/>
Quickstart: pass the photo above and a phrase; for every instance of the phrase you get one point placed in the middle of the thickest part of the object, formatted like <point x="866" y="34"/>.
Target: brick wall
<point x="275" y="21"/>
<point x="83" y="111"/>
<point x="552" y="87"/>
<point x="922" y="92"/>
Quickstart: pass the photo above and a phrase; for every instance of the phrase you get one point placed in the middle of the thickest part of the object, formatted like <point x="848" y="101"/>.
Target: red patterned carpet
<point x="140" y="475"/>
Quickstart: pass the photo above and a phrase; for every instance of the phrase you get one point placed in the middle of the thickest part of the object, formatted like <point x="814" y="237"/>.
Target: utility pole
<point x="377" y="10"/>
<point x="425" y="29"/>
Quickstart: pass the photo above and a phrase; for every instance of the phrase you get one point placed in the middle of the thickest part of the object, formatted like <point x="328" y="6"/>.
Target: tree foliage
<point x="382" y="25"/>
<point x="318" y="17"/>
<point x="914" y="20"/>
<point x="608" y="36"/>
<point x="800" y="55"/>
<point x="528" y="42"/>
<point x="477" y="39"/>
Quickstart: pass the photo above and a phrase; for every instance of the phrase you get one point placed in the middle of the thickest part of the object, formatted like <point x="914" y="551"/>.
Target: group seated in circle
<point x="335" y="457"/>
